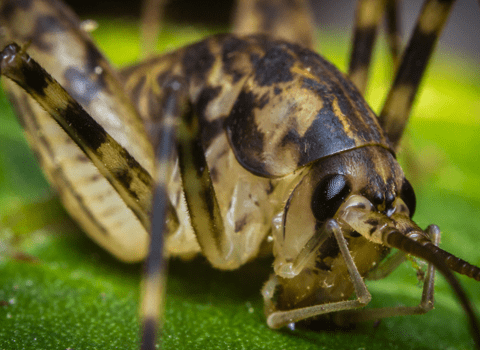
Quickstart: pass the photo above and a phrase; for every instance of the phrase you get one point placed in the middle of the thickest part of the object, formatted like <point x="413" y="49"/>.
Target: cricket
<point x="235" y="148"/>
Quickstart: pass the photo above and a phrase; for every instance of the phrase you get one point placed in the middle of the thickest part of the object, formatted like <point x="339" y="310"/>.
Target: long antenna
<point x="444" y="262"/>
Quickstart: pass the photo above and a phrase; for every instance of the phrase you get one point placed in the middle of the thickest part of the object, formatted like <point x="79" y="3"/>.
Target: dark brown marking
<point x="90" y="132"/>
<point x="222" y="153"/>
<point x="198" y="157"/>
<point x="354" y="234"/>
<point x="125" y="177"/>
<point x="242" y="131"/>
<point x="284" y="219"/>
<point x="329" y="249"/>
<point x="275" y="66"/>
<point x="206" y="96"/>
<point x="414" y="65"/>
<point x="240" y="224"/>
<point x="95" y="177"/>
<point x="231" y="46"/>
<point x="82" y="158"/>
<point x="94" y="60"/>
<point x="263" y="100"/>
<point x="44" y="26"/>
<point x="9" y="6"/>
<point x="34" y="78"/>
<point x="363" y="120"/>
<point x="210" y="131"/>
<point x="378" y="198"/>
<point x="270" y="188"/>
<point x="362" y="48"/>
<point x="320" y="265"/>
<point x="197" y="61"/>
<point x="214" y="174"/>
<point x="360" y="206"/>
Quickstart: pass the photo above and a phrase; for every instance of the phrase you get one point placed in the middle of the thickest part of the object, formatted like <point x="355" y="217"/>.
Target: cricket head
<point x="362" y="198"/>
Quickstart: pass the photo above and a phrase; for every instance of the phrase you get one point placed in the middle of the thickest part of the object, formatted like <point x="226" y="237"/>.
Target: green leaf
<point x="58" y="290"/>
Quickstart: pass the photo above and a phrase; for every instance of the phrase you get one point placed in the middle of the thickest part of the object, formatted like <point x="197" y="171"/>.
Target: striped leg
<point x="156" y="266"/>
<point x="393" y="20"/>
<point x="289" y="20"/>
<point x="132" y="182"/>
<point x="200" y="195"/>
<point x="152" y="16"/>
<point x="398" y="104"/>
<point x="367" y="19"/>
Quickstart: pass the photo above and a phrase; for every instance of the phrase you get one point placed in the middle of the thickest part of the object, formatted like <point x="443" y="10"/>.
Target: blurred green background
<point x="58" y="290"/>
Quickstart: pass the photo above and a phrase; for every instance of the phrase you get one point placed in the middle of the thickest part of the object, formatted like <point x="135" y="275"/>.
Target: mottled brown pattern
<point x="272" y="134"/>
<point x="250" y="136"/>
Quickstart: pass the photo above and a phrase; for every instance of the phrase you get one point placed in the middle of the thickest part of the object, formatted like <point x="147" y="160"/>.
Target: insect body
<point x="268" y="132"/>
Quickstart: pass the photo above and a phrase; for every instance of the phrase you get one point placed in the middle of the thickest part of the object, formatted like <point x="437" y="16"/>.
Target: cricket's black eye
<point x="329" y="195"/>
<point x="408" y="196"/>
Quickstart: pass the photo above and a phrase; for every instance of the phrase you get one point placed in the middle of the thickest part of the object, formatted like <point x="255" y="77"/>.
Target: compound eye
<point x="329" y="195"/>
<point x="408" y="196"/>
